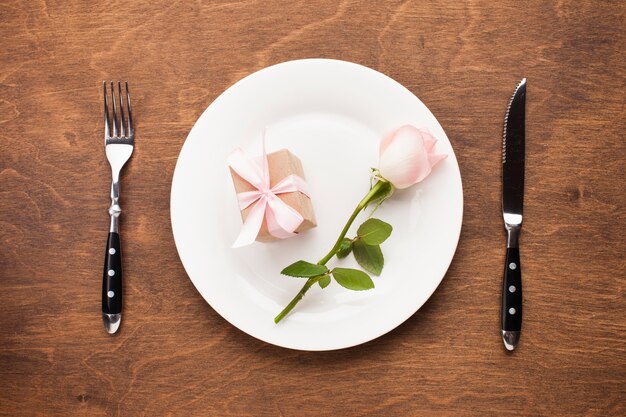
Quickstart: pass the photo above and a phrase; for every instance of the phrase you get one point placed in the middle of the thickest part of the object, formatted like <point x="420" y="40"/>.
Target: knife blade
<point x="513" y="156"/>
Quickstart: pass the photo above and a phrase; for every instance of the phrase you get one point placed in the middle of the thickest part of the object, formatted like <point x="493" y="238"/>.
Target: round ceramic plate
<point x="332" y="115"/>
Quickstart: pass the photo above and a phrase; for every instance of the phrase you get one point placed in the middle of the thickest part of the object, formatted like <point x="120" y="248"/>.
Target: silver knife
<point x="512" y="205"/>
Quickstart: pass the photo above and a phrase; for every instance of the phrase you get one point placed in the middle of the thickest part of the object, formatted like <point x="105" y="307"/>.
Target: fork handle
<point x="112" y="284"/>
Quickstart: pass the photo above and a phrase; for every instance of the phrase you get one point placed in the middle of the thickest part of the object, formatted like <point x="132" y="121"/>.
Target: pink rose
<point x="407" y="156"/>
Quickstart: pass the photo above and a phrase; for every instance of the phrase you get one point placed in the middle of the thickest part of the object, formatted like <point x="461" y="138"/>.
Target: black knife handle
<point x="112" y="276"/>
<point x="512" y="292"/>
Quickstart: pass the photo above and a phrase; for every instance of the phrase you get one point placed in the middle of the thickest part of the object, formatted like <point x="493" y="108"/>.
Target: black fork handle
<point x="112" y="284"/>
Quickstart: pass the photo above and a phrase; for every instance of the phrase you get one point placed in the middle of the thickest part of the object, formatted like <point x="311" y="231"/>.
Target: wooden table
<point x="175" y="356"/>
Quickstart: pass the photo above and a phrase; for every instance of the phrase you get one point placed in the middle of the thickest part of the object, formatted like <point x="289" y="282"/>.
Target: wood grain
<point x="175" y="356"/>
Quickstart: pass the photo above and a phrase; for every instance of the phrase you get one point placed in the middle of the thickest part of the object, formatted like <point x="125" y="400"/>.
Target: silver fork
<point x="118" y="146"/>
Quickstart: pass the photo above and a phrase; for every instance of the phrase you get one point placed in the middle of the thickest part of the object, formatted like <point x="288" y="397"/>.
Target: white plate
<point x="332" y="115"/>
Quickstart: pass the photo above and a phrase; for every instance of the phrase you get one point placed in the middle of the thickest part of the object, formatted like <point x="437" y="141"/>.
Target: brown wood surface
<point x="175" y="356"/>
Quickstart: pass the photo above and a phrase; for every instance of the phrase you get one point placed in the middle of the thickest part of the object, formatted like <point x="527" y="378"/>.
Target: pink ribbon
<point x="282" y="219"/>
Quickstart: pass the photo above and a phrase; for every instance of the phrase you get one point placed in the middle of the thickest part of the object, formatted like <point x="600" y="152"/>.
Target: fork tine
<point x="131" y="129"/>
<point x="114" y="110"/>
<point x="119" y="93"/>
<point x="107" y="126"/>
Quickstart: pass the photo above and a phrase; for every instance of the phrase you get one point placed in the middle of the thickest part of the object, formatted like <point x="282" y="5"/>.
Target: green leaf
<point x="374" y="231"/>
<point x="324" y="281"/>
<point x="370" y="257"/>
<point x="345" y="248"/>
<point x="352" y="279"/>
<point x="304" y="269"/>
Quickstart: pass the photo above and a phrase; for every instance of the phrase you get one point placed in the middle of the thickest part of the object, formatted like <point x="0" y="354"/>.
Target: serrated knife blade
<point x="513" y="158"/>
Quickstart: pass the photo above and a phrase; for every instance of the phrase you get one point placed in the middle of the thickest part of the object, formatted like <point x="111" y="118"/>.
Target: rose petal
<point x="385" y="142"/>
<point x="407" y="156"/>
<point x="433" y="158"/>
<point x="405" y="159"/>
<point x="429" y="139"/>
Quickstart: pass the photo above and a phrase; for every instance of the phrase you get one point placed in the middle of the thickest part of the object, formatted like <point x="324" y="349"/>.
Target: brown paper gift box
<point x="281" y="163"/>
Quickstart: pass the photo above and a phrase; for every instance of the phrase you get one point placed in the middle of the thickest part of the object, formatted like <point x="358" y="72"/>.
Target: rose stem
<point x="309" y="283"/>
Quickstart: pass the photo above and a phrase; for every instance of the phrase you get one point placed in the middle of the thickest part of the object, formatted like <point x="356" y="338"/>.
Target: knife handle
<point x="112" y="283"/>
<point x="512" y="298"/>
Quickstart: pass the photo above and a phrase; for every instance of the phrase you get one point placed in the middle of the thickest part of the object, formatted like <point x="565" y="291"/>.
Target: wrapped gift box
<point x="281" y="163"/>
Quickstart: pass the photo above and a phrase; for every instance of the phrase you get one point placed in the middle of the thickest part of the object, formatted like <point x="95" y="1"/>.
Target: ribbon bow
<point x="282" y="219"/>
